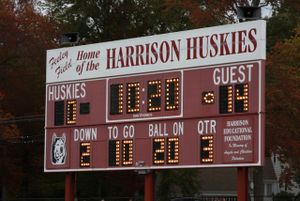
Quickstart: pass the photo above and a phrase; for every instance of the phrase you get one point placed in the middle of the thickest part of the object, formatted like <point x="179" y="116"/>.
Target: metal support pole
<point x="242" y="183"/>
<point x="70" y="186"/>
<point x="149" y="187"/>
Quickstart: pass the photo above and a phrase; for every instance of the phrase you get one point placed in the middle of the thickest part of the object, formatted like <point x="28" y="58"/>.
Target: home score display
<point x="183" y="106"/>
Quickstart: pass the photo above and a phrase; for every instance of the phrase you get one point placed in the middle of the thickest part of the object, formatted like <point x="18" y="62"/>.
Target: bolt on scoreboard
<point x="180" y="100"/>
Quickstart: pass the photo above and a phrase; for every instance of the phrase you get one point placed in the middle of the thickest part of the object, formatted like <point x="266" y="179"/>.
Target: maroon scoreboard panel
<point x="201" y="117"/>
<point x="176" y="109"/>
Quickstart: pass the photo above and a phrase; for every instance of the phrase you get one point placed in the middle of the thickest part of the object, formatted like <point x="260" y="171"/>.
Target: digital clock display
<point x="154" y="95"/>
<point x="145" y="97"/>
<point x="172" y="94"/>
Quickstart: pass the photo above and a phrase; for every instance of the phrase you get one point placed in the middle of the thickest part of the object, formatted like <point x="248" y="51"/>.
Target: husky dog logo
<point x="59" y="151"/>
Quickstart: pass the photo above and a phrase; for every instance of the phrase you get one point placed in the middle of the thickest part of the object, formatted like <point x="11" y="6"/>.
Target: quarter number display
<point x="206" y="148"/>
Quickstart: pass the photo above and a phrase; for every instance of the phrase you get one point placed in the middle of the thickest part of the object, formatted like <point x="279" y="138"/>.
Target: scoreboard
<point x="179" y="100"/>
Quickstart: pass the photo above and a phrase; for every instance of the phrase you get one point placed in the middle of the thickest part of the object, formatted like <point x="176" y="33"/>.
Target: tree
<point x="283" y="96"/>
<point x="282" y="24"/>
<point x="25" y="36"/>
<point x="9" y="170"/>
<point x="100" y="20"/>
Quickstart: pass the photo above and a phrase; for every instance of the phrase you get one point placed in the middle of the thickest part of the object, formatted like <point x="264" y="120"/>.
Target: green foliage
<point x="285" y="19"/>
<point x="283" y="73"/>
<point x="101" y="20"/>
<point x="281" y="27"/>
<point x="283" y="89"/>
<point x="25" y="36"/>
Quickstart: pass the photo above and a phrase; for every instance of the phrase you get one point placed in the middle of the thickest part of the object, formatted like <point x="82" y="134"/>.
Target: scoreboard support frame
<point x="149" y="186"/>
<point x="70" y="186"/>
<point x="242" y="184"/>
<point x="149" y="182"/>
